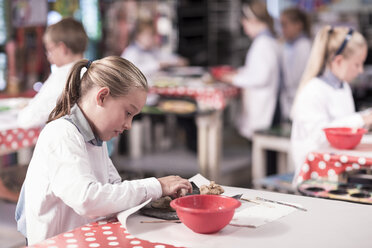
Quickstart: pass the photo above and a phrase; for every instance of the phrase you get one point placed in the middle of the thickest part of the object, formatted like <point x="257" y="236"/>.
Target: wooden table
<point x="327" y="223"/>
<point x="329" y="163"/>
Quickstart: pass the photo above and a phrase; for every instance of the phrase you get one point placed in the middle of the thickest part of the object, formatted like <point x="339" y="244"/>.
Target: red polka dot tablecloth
<point x="325" y="165"/>
<point x="210" y="96"/>
<point x="99" y="234"/>
<point x="14" y="139"/>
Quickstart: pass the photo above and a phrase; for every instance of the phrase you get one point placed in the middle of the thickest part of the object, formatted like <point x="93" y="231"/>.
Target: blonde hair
<point x="70" y="32"/>
<point x="117" y="74"/>
<point x="327" y="41"/>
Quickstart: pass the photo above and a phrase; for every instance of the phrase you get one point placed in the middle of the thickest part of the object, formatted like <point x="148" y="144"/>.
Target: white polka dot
<point x="331" y="172"/>
<point x="71" y="241"/>
<point x="25" y="142"/>
<point x="90" y="239"/>
<point x="135" y="242"/>
<point x="314" y="175"/>
<point x="113" y="243"/>
<point x="89" y="234"/>
<point x="311" y="157"/>
<point x="356" y="166"/>
<point x="53" y="246"/>
<point x="107" y="232"/>
<point x="94" y="245"/>
<point x="122" y="226"/>
<point x="137" y="246"/>
<point x="106" y="227"/>
<point x="159" y="246"/>
<point x="50" y="241"/>
<point x="85" y="228"/>
<point x="72" y="246"/>
<point x="362" y="161"/>
<point x="349" y="168"/>
<point x="9" y="137"/>
<point x="14" y="145"/>
<point x="125" y="231"/>
<point x="343" y="159"/>
<point x="322" y="165"/>
<point x="130" y="237"/>
<point x="326" y="157"/>
<point x="68" y="235"/>
<point x="338" y="164"/>
<point x="305" y="167"/>
<point x="102" y="222"/>
<point x="112" y="238"/>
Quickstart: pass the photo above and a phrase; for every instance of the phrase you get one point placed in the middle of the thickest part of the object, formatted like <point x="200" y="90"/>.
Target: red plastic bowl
<point x="344" y="137"/>
<point x="218" y="71"/>
<point x="205" y="213"/>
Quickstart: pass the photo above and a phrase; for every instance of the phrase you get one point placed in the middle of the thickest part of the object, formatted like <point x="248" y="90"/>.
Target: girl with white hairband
<point x="259" y="77"/>
<point x="324" y="98"/>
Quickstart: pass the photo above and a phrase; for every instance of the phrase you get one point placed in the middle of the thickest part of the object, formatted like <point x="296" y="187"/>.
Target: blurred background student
<point x="65" y="43"/>
<point x="324" y="98"/>
<point x="259" y="77"/>
<point x="296" y="30"/>
<point x="145" y="53"/>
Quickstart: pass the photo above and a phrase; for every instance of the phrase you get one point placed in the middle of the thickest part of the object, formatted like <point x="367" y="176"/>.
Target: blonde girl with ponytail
<point x="324" y="98"/>
<point x="71" y="180"/>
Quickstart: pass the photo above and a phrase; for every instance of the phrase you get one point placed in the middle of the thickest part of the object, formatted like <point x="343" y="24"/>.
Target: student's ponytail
<point x="71" y="93"/>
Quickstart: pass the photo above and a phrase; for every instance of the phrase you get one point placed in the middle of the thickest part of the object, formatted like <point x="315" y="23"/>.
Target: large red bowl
<point x="344" y="137"/>
<point x="205" y="213"/>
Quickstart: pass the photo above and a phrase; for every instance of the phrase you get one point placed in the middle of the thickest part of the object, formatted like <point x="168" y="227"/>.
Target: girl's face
<point x="115" y="114"/>
<point x="290" y="29"/>
<point x="350" y="68"/>
<point x="146" y="39"/>
<point x="249" y="26"/>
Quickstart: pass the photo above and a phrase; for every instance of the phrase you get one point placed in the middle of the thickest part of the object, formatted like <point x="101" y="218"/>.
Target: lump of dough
<point x="211" y="189"/>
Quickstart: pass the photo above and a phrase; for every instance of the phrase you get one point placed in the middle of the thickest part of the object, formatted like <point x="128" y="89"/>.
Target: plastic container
<point x="344" y="137"/>
<point x="205" y="213"/>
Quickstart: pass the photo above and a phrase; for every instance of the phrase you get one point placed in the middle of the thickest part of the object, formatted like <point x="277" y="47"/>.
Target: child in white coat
<point x="71" y="180"/>
<point x="259" y="78"/>
<point x="295" y="53"/>
<point x="324" y="98"/>
<point x="65" y="43"/>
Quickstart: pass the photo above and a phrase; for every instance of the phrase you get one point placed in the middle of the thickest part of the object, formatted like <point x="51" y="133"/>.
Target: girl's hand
<point x="227" y="77"/>
<point x="174" y="186"/>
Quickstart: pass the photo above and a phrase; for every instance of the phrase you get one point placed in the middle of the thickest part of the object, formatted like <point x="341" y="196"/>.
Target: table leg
<point x="215" y="145"/>
<point x="258" y="159"/>
<point x="202" y="149"/>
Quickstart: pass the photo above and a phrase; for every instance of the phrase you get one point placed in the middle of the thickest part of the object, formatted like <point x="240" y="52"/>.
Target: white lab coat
<point x="259" y="80"/>
<point x="69" y="182"/>
<point x="294" y="58"/>
<point x="148" y="61"/>
<point x="36" y="113"/>
<point x="320" y="105"/>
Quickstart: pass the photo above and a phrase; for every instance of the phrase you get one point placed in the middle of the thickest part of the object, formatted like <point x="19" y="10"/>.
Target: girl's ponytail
<point x="318" y="56"/>
<point x="71" y="93"/>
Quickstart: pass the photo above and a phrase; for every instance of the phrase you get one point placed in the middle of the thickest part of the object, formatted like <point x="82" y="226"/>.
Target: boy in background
<point x="65" y="43"/>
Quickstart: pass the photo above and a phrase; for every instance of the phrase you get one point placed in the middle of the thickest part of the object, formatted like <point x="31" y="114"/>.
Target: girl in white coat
<point x="259" y="78"/>
<point x="324" y="98"/>
<point x="295" y="53"/>
<point x="71" y="180"/>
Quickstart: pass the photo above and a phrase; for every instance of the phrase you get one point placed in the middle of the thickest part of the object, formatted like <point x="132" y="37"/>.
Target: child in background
<point x="324" y="98"/>
<point x="144" y="53"/>
<point x="259" y="78"/>
<point x="71" y="180"/>
<point x="65" y="43"/>
<point x="295" y="53"/>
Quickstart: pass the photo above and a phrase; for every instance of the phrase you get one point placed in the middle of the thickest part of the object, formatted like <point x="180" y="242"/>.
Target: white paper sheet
<point x="123" y="216"/>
